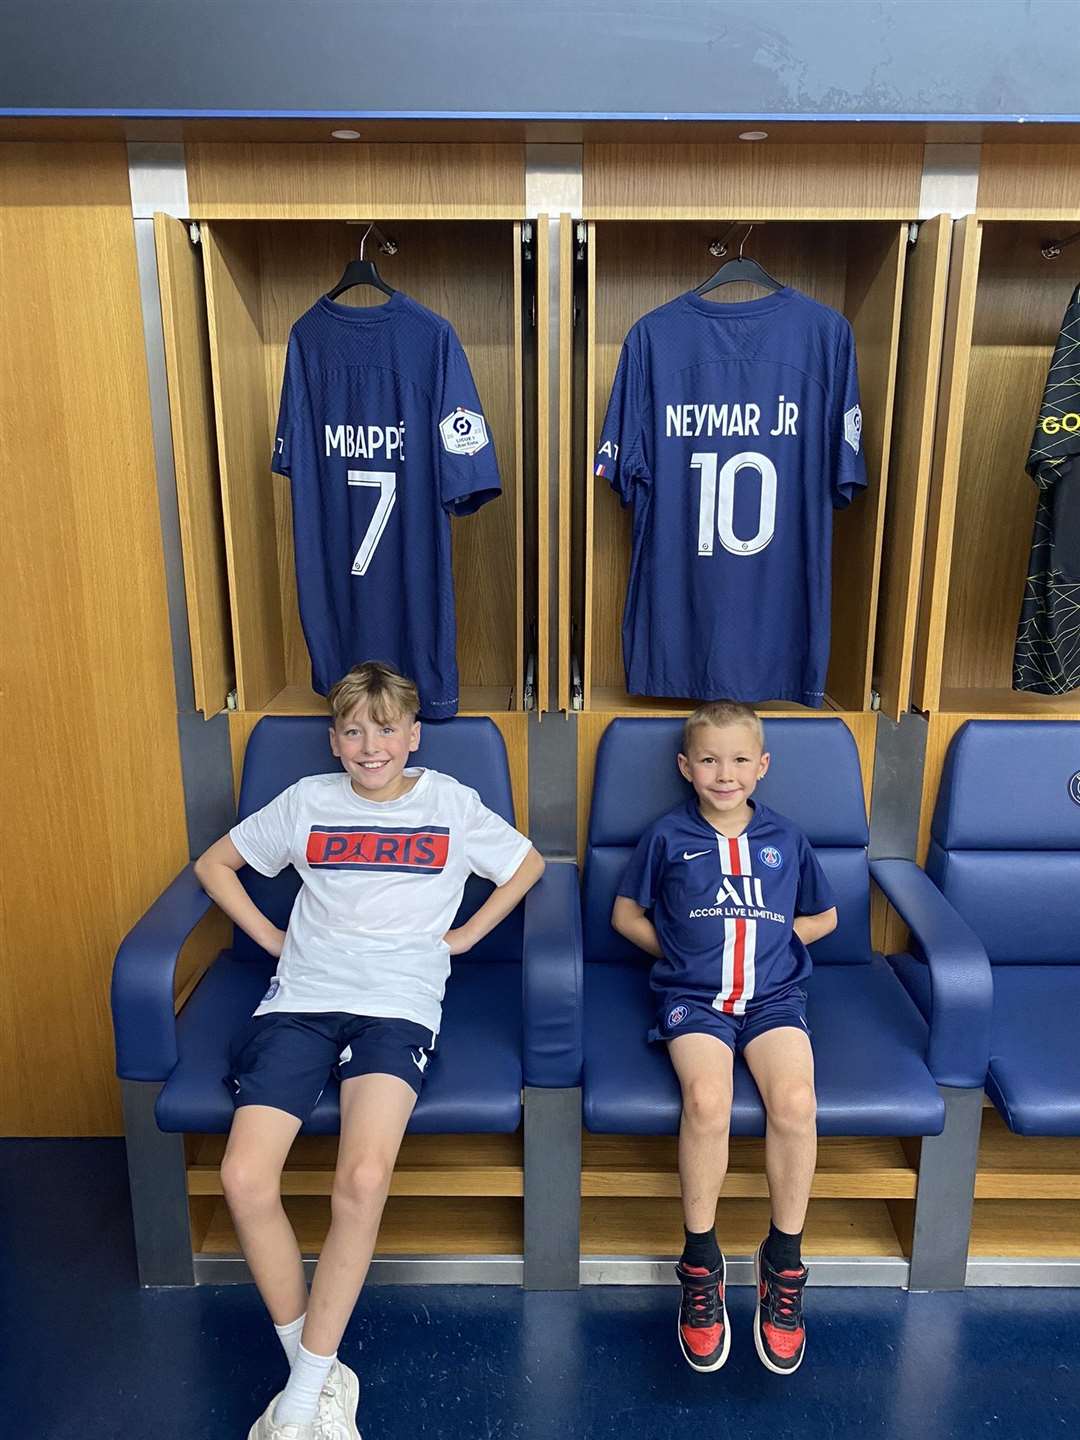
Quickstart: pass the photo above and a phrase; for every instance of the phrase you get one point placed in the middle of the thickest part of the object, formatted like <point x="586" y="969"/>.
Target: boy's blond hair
<point x="723" y="712"/>
<point x="387" y="696"/>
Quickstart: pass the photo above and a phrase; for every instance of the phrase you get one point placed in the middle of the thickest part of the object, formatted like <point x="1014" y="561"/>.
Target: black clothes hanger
<point x="741" y="268"/>
<point x="361" y="272"/>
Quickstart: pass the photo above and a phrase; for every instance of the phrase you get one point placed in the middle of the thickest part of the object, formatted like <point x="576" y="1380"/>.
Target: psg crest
<point x="769" y="855"/>
<point x="1074" y="788"/>
<point x="677" y="1016"/>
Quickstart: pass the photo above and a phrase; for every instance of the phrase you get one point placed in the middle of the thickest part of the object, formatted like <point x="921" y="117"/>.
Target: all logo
<point x="1074" y="788"/>
<point x="677" y="1016"/>
<point x="769" y="855"/>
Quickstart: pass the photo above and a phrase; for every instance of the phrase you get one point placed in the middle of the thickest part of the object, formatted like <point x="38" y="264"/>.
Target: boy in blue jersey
<point x="727" y="895"/>
<point x="383" y="853"/>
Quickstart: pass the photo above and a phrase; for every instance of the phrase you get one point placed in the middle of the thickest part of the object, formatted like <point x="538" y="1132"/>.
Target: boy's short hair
<point x="388" y="696"/>
<point x="723" y="712"/>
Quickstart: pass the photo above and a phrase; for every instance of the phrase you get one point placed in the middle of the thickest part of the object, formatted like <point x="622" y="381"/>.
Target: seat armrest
<point x="143" y="1010"/>
<point x="551" y="974"/>
<point x="961" y="983"/>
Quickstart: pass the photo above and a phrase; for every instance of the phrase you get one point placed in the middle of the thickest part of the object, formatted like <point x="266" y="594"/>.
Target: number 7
<point x="385" y="481"/>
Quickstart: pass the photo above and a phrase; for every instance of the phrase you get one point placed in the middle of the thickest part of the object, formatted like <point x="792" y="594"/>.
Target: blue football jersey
<point x="382" y="437"/>
<point x="734" y="431"/>
<point x="723" y="907"/>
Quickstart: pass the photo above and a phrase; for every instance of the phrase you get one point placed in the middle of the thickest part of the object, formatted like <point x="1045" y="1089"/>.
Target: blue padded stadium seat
<point x="870" y="1041"/>
<point x="1005" y="853"/>
<point x="488" y="1046"/>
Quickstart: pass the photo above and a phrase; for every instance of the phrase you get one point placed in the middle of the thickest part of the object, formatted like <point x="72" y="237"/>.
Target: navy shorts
<point x="686" y="1015"/>
<point x="284" y="1059"/>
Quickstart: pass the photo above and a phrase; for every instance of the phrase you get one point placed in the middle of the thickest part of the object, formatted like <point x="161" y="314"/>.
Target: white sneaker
<point x="337" y="1405"/>
<point x="265" y="1429"/>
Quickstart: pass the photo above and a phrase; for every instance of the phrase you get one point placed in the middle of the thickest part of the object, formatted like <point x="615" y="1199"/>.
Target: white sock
<point x="289" y="1335"/>
<point x="299" y="1401"/>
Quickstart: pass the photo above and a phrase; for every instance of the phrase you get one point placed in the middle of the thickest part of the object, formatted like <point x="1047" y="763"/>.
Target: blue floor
<point x="86" y="1355"/>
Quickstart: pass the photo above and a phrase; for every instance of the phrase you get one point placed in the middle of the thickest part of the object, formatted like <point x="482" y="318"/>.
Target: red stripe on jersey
<point x="738" y="979"/>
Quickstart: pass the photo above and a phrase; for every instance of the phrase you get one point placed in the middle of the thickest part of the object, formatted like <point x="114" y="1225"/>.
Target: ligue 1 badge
<point x="769" y="855"/>
<point x="1074" y="788"/>
<point x="463" y="432"/>
<point x="677" y="1016"/>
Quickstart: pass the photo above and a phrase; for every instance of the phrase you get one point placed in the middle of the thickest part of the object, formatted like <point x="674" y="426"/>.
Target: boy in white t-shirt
<point x="383" y="853"/>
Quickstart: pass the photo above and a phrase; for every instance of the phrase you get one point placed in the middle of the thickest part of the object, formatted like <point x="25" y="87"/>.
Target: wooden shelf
<point x="615" y="698"/>
<point x="647" y="1167"/>
<point x="441" y="1165"/>
<point x="475" y="699"/>
<point x="1018" y="1229"/>
<point x="654" y="1227"/>
<point x="1001" y="702"/>
<point x="410" y="1226"/>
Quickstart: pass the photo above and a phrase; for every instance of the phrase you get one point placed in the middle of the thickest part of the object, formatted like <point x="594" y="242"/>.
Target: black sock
<point x="783" y="1252"/>
<point x="701" y="1251"/>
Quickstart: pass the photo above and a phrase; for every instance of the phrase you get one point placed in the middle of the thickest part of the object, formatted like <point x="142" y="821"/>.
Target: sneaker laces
<point x="783" y="1297"/>
<point x="700" y="1300"/>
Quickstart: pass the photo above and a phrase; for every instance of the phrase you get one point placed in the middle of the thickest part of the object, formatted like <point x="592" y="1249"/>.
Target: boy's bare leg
<point x="259" y="1142"/>
<point x="374" y="1112"/>
<point x="704" y="1066"/>
<point x="782" y="1064"/>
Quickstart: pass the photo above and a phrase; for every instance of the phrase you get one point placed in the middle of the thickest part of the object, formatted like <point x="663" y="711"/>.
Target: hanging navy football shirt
<point x="723" y="907"/>
<point x="734" y="431"/>
<point x="382" y="436"/>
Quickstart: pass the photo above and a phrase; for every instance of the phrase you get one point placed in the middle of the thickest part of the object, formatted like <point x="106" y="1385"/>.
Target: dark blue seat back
<point x="1005" y="846"/>
<point x="814" y="779"/>
<point x="284" y="748"/>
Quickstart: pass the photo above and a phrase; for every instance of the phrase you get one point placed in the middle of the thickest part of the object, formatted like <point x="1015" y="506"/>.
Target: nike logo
<point x="421" y="1062"/>
<point x="696" y="855"/>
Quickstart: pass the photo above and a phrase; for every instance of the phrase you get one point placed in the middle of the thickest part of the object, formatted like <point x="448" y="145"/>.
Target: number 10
<point x="722" y="505"/>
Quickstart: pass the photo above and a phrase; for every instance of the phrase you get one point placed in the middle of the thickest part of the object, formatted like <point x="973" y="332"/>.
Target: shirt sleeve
<point x="642" y="877"/>
<point x="468" y="469"/>
<point x="288" y="408"/>
<point x="493" y="848"/>
<point x="266" y="838"/>
<point x="848" y="466"/>
<point x="620" y="455"/>
<point x="814" y="894"/>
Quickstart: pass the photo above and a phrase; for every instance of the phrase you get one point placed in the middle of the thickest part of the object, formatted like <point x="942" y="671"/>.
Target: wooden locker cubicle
<point x="1006" y="303"/>
<point x="834" y="222"/>
<point x="272" y="238"/>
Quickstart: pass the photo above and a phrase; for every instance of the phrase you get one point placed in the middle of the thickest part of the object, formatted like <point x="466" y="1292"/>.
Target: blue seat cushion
<point x="869" y="1046"/>
<point x="1034" y="1075"/>
<point x="473" y="1085"/>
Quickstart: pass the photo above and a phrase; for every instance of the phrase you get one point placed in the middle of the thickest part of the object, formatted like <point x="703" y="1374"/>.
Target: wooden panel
<point x="592" y="724"/>
<point x="959" y="317"/>
<point x="543" y="458"/>
<point x="752" y="182"/>
<point x="1020" y="301"/>
<point x="654" y="1227"/>
<point x="244" y="433"/>
<point x="636" y="269"/>
<point x="566" y="449"/>
<point x="352" y="181"/>
<point x="198" y="486"/>
<point x="1025" y="1166"/>
<point x="1020" y="182"/>
<point x="513" y="727"/>
<point x="596" y="375"/>
<point x="517" y="695"/>
<point x="1021" y="1229"/>
<point x="199" y="951"/>
<point x="872" y="297"/>
<point x="467" y="274"/>
<point x="919" y="366"/>
<point x="411" y="1225"/>
<point x="644" y="1166"/>
<point x="94" y="807"/>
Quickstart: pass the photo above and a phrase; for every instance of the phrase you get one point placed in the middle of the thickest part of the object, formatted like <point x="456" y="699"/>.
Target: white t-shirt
<point x="381" y="884"/>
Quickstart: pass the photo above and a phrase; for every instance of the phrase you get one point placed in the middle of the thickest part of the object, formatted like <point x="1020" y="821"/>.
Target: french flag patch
<point x="600" y="470"/>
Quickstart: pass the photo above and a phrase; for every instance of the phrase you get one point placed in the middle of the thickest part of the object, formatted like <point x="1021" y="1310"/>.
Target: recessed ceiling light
<point x="345" y="134"/>
<point x="754" y="135"/>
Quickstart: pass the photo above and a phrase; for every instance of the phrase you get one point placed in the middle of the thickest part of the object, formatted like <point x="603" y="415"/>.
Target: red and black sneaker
<point x="704" y="1337"/>
<point x="779" y="1333"/>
